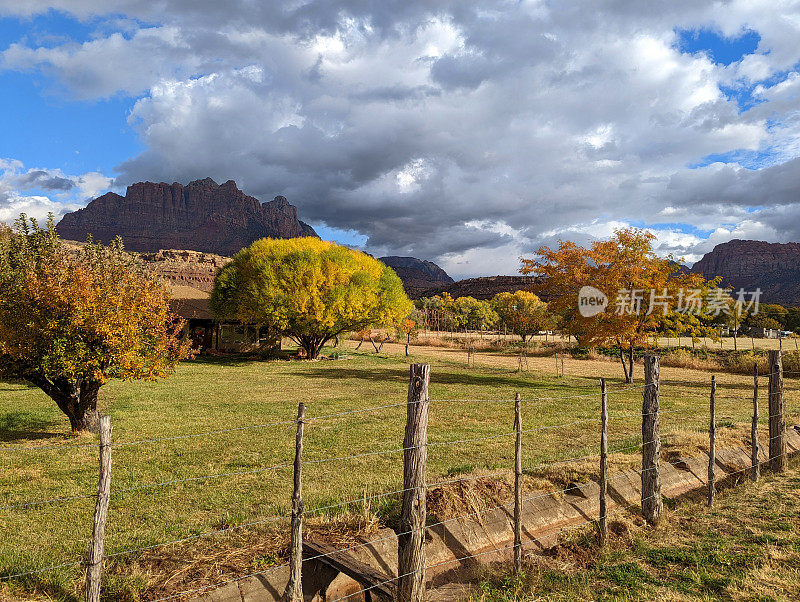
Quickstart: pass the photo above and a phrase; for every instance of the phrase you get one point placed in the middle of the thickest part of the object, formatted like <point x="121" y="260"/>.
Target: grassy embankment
<point x="209" y="394"/>
<point x="746" y="548"/>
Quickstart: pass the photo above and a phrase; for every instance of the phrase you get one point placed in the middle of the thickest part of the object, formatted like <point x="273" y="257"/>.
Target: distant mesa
<point x="201" y="216"/>
<point x="751" y="264"/>
<point x="417" y="275"/>
<point x="487" y="287"/>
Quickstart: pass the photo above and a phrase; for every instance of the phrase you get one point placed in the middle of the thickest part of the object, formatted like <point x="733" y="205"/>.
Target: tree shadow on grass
<point x="238" y="359"/>
<point x="439" y="376"/>
<point x="39" y="585"/>
<point x="16" y="426"/>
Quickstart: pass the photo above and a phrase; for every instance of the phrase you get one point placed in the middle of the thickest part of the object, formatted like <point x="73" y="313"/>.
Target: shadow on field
<point x="439" y="376"/>
<point x="24" y="425"/>
<point x="236" y="359"/>
<point x="39" y="585"/>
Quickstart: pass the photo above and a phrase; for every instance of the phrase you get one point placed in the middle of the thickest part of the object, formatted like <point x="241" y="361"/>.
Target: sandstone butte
<point x="201" y="216"/>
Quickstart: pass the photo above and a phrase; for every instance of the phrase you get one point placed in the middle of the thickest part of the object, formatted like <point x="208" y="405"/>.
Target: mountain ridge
<point x="199" y="216"/>
<point x="749" y="264"/>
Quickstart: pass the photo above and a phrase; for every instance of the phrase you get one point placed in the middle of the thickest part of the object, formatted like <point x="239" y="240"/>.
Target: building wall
<point x="231" y="336"/>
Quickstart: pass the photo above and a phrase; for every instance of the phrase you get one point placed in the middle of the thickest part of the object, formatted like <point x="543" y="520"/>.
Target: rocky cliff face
<point x="185" y="268"/>
<point x="750" y="264"/>
<point x="201" y="216"/>
<point x="417" y="275"/>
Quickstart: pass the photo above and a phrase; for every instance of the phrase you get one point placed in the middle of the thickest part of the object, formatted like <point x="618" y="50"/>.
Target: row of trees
<point x="72" y="318"/>
<point x="520" y="312"/>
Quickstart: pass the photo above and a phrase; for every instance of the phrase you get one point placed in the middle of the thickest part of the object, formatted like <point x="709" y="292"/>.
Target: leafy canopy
<point x="624" y="267"/>
<point x="618" y="266"/>
<point x="88" y="313"/>
<point x="473" y="314"/>
<point x="308" y="289"/>
<point x="73" y="317"/>
<point x="523" y="313"/>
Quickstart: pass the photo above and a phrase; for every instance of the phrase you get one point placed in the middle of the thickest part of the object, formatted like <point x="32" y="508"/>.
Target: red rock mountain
<point x="201" y="216"/>
<point x="751" y="264"/>
<point x="418" y="276"/>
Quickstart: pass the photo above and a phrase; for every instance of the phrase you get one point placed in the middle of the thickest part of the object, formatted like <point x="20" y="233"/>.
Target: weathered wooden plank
<point x="378" y="583"/>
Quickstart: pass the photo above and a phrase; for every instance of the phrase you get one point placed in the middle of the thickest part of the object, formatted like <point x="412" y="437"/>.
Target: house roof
<point x="190" y="303"/>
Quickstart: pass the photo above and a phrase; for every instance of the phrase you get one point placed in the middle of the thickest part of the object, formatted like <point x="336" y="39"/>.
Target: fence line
<point x="620" y="508"/>
<point x="239" y="473"/>
<point x="201" y="434"/>
<point x="278" y="518"/>
<point x="291" y="422"/>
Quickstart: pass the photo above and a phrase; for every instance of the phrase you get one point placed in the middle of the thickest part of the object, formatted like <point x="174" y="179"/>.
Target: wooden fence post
<point x="94" y="567"/>
<point x="754" y="453"/>
<point x="411" y="539"/>
<point x="518" y="484"/>
<point x="603" y="461"/>
<point x="294" y="587"/>
<point x="712" y="442"/>
<point x="652" y="505"/>
<point x="777" y="425"/>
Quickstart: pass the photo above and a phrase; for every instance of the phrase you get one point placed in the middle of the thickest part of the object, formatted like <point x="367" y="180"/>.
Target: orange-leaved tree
<point x="73" y="318"/>
<point x="309" y="289"/>
<point x="638" y="284"/>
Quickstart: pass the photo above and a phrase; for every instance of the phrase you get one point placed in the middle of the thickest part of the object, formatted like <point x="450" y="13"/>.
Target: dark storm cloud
<point x="463" y="131"/>
<point x="44" y="180"/>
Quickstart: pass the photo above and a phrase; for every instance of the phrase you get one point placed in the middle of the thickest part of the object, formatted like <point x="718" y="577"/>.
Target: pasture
<point x="179" y="486"/>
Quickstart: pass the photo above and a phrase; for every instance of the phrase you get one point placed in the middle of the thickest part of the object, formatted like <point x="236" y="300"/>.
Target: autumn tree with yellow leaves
<point x="523" y="313"/>
<point x="309" y="290"/>
<point x="638" y="283"/>
<point x="73" y="318"/>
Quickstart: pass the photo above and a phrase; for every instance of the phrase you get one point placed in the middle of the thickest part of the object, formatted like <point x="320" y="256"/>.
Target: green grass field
<point x="228" y="393"/>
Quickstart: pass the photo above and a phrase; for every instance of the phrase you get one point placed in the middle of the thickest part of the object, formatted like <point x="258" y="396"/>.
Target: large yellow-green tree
<point x="523" y="313"/>
<point x="474" y="314"/>
<point x="638" y="283"/>
<point x="309" y="289"/>
<point x="72" y="318"/>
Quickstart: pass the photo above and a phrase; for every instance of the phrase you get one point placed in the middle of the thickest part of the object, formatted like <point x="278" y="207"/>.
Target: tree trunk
<point x="627" y="364"/>
<point x="624" y="365"/>
<point x="630" y="365"/>
<point x="312" y="346"/>
<point x="78" y="400"/>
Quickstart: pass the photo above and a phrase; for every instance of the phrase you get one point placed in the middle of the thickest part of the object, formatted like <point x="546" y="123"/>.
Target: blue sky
<point x="685" y="121"/>
<point x="43" y="127"/>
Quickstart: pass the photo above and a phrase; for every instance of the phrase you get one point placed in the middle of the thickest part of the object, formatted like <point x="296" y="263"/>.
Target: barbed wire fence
<point x="409" y="584"/>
